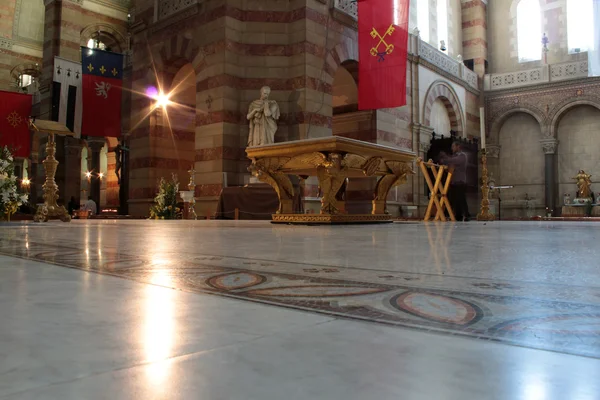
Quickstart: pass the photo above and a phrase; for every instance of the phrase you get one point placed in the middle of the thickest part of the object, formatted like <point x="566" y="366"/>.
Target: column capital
<point x="549" y="145"/>
<point x="73" y="146"/>
<point x="492" y="150"/>
<point x="96" y="144"/>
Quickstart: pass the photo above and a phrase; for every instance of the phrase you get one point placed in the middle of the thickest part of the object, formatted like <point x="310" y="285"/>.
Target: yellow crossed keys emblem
<point x="389" y="48"/>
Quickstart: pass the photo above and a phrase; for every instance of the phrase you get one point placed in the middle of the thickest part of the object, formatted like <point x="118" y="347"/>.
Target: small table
<point x="332" y="160"/>
<point x="500" y="189"/>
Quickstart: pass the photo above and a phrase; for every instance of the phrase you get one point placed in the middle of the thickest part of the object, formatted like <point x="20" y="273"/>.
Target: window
<point x="442" y="22"/>
<point x="25" y="80"/>
<point x="96" y="44"/>
<point x="580" y="25"/>
<point x="423" y="19"/>
<point x="529" y="30"/>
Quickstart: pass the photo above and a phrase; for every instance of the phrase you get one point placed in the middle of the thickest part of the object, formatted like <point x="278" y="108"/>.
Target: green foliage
<point x="10" y="198"/>
<point x="165" y="202"/>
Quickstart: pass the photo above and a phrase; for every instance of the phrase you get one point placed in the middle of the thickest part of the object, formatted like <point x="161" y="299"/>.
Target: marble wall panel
<point x="579" y="147"/>
<point x="521" y="160"/>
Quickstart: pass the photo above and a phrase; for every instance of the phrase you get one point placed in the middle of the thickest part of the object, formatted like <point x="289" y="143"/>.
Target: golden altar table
<point x="332" y="160"/>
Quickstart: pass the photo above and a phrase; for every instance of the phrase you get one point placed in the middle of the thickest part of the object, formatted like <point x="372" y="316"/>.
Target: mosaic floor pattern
<point x="542" y="315"/>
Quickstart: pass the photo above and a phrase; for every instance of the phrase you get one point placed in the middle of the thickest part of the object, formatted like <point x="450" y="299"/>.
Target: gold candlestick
<point x="50" y="208"/>
<point x="484" y="211"/>
<point x="191" y="211"/>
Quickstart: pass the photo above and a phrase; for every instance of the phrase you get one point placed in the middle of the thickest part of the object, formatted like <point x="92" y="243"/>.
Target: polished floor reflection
<point x="410" y="311"/>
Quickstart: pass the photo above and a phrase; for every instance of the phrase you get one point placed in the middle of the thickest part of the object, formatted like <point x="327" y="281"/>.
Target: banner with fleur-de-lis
<point x="102" y="73"/>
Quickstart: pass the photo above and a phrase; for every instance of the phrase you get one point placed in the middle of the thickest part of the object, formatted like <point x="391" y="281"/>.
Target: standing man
<point x="458" y="185"/>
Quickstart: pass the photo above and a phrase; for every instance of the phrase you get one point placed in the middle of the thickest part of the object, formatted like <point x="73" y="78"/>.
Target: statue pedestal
<point x="579" y="211"/>
<point x="332" y="160"/>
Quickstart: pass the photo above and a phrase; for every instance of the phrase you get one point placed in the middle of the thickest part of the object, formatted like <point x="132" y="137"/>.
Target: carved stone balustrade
<point x="536" y="76"/>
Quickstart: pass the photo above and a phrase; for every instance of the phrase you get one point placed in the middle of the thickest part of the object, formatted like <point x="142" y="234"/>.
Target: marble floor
<point x="249" y="310"/>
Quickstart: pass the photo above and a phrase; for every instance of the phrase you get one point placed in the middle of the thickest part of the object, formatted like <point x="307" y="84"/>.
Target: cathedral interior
<point x="220" y="303"/>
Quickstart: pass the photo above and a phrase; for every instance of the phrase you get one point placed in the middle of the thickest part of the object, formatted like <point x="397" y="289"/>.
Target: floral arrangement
<point x="10" y="198"/>
<point x="165" y="202"/>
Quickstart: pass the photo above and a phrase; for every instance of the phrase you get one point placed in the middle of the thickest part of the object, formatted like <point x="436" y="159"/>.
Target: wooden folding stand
<point x="439" y="190"/>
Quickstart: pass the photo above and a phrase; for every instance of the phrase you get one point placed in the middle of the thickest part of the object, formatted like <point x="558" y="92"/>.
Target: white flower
<point x="24" y="198"/>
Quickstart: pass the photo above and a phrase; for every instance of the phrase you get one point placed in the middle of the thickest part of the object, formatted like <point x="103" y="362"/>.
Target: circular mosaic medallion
<point x="236" y="280"/>
<point x="563" y="324"/>
<point x="437" y="308"/>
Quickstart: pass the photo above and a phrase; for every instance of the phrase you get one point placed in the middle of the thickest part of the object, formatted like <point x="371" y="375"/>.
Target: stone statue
<point x="584" y="185"/>
<point x="263" y="115"/>
<point x="119" y="158"/>
<point x="118" y="162"/>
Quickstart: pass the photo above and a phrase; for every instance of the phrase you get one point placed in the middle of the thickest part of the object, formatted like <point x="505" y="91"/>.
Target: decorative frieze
<point x="6" y="43"/>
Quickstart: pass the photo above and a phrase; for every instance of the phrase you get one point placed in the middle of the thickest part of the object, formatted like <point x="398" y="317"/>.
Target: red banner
<point x="382" y="47"/>
<point x="15" y="109"/>
<point x="101" y="92"/>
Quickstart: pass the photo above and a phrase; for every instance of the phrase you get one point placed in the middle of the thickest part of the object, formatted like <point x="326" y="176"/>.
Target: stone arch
<point x="561" y="109"/>
<point x="499" y="120"/>
<point x="32" y="69"/>
<point x="176" y="52"/>
<point x="107" y="34"/>
<point x="342" y="53"/>
<point x="441" y="90"/>
<point x="344" y="88"/>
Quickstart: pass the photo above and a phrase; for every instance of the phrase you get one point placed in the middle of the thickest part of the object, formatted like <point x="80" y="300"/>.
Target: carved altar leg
<point x="282" y="185"/>
<point x="397" y="175"/>
<point x="381" y="193"/>
<point x="266" y="171"/>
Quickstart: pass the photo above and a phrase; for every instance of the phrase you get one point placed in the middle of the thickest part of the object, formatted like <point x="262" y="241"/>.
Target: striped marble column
<point x="474" y="33"/>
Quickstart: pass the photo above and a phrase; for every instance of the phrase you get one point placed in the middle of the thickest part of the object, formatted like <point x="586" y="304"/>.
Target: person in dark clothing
<point x="72" y="206"/>
<point x="458" y="185"/>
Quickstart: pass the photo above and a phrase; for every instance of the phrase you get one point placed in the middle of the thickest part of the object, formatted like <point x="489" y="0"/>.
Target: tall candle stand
<point x="50" y="208"/>
<point x="191" y="211"/>
<point x="484" y="210"/>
